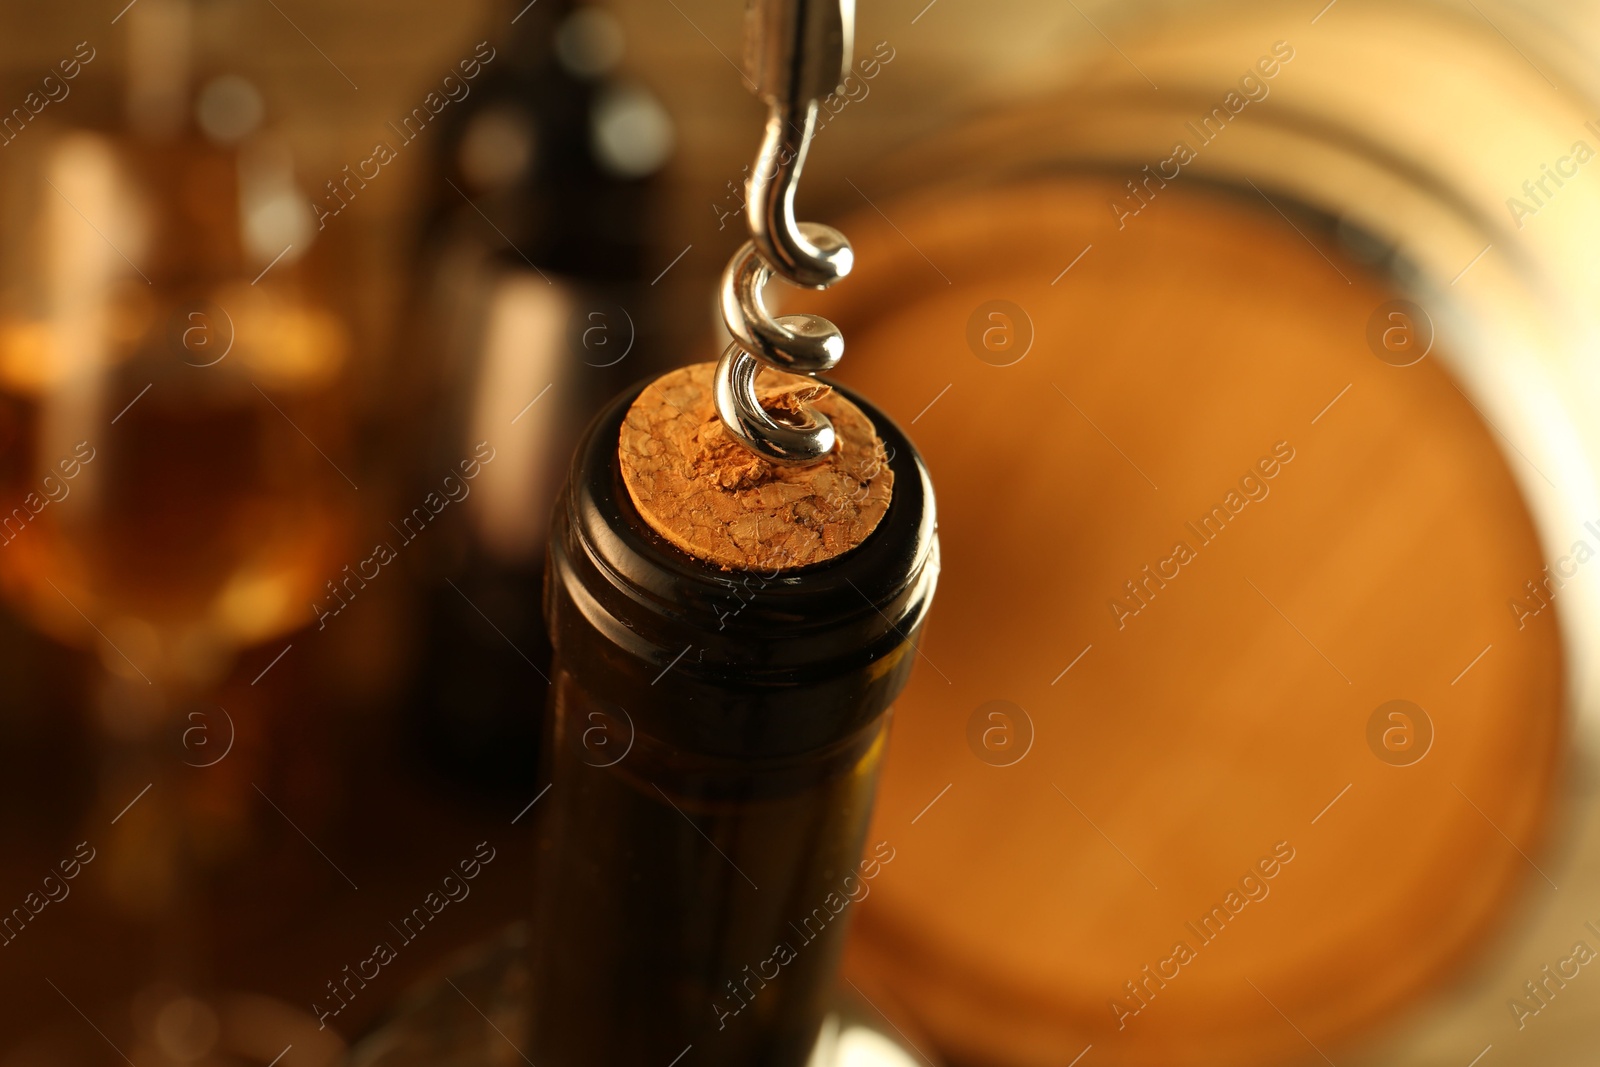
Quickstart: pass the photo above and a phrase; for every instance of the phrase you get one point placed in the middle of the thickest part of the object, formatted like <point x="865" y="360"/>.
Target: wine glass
<point x="174" y="433"/>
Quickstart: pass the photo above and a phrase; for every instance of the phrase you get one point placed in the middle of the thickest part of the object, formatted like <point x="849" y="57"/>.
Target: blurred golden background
<point x="1253" y="351"/>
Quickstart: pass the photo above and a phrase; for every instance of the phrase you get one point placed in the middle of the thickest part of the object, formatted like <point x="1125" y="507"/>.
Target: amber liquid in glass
<point x="176" y="516"/>
<point x="165" y="435"/>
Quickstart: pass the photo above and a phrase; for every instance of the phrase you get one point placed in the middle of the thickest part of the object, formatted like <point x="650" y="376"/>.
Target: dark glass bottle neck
<point x="750" y="664"/>
<point x="566" y="212"/>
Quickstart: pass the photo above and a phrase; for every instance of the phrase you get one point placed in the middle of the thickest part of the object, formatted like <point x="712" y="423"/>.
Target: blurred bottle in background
<point x="535" y="307"/>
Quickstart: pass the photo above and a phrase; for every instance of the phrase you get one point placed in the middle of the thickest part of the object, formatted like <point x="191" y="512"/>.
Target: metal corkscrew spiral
<point x="796" y="52"/>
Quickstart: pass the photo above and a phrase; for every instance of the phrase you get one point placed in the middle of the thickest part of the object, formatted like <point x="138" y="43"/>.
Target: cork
<point x="719" y="502"/>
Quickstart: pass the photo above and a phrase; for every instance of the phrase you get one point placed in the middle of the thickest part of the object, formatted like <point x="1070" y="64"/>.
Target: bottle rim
<point x="668" y="608"/>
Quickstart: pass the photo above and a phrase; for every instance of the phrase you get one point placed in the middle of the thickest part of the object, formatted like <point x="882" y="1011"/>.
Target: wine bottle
<point x="713" y="747"/>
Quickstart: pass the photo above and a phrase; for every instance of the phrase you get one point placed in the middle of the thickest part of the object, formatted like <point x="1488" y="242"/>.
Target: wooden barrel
<point x="1229" y="738"/>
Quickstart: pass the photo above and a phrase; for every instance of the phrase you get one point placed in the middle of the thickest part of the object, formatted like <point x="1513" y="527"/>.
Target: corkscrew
<point x="796" y="53"/>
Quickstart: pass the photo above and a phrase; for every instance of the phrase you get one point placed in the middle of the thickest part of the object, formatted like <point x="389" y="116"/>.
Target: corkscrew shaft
<point x="797" y="51"/>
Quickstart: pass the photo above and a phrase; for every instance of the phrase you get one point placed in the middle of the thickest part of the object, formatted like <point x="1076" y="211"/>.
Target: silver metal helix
<point x="796" y="53"/>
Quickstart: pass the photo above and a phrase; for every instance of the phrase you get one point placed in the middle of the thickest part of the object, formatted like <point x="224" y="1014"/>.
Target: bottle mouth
<point x="755" y="628"/>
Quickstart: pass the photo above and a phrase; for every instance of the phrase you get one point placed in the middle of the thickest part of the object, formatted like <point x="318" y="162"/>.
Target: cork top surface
<point x="719" y="502"/>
